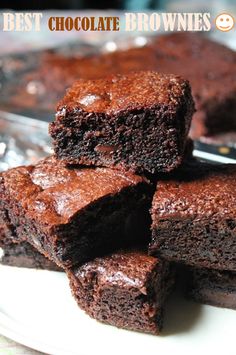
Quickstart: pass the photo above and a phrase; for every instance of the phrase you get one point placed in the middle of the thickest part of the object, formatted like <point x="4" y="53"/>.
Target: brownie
<point x="194" y="216"/>
<point x="73" y="215"/>
<point x="25" y="255"/>
<point x="188" y="153"/>
<point x="5" y="232"/>
<point x="22" y="254"/>
<point x="137" y="122"/>
<point x="213" y="287"/>
<point x="126" y="289"/>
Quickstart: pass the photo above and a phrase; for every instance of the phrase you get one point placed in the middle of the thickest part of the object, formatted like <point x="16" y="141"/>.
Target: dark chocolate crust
<point x="209" y="66"/>
<point x="74" y="215"/>
<point x="213" y="287"/>
<point x="126" y="289"/>
<point x="137" y="122"/>
<point x="194" y="216"/>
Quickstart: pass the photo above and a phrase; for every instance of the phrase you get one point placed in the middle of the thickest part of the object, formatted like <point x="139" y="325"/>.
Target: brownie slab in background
<point x="126" y="289"/>
<point x="194" y="216"/>
<point x="209" y="66"/>
<point x="213" y="287"/>
<point x="137" y="122"/>
<point x="74" y="215"/>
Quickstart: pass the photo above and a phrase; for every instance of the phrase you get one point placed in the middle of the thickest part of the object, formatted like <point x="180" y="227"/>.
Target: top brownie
<point x="137" y="122"/>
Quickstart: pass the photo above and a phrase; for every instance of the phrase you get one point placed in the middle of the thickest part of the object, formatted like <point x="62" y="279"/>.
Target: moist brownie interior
<point x="127" y="289"/>
<point x="214" y="287"/>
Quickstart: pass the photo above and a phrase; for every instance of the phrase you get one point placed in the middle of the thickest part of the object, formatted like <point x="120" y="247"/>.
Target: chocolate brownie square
<point x="194" y="216"/>
<point x="213" y="287"/>
<point x="126" y="289"/>
<point x="137" y="122"/>
<point x="72" y="215"/>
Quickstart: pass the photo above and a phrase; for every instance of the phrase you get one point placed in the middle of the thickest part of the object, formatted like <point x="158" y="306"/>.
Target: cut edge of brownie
<point x="26" y="256"/>
<point x="212" y="287"/>
<point x="21" y="254"/>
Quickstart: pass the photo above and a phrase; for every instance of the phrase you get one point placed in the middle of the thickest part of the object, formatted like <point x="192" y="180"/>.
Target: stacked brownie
<point x="121" y="149"/>
<point x="137" y="122"/>
<point x="72" y="215"/>
<point x="86" y="208"/>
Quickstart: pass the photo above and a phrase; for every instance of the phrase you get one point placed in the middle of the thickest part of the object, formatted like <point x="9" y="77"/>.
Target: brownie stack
<point x="121" y="151"/>
<point x="86" y="208"/>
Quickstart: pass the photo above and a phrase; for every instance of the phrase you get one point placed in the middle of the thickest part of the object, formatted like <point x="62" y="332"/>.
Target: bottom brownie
<point x="126" y="289"/>
<point x="22" y="254"/>
<point x="213" y="287"/>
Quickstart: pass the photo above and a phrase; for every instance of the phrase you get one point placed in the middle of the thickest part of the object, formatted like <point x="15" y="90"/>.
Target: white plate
<point x="37" y="310"/>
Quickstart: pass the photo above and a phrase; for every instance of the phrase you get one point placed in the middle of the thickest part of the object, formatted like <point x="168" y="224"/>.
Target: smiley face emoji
<point x="224" y="22"/>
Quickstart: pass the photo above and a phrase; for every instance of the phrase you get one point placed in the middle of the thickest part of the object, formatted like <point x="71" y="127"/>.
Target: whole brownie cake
<point x="137" y="122"/>
<point x="73" y="215"/>
<point x="126" y="289"/>
<point x="213" y="287"/>
<point x="194" y="216"/>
